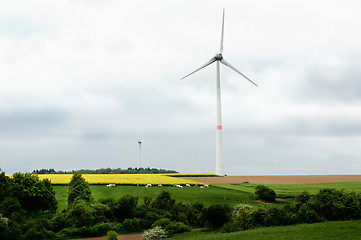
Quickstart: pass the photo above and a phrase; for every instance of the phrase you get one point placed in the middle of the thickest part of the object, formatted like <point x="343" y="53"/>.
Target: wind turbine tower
<point x="140" y="141"/>
<point x="218" y="58"/>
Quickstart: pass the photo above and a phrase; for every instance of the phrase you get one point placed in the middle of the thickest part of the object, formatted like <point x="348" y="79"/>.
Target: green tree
<point x="33" y="194"/>
<point x="112" y="235"/>
<point x="125" y="207"/>
<point x="265" y="193"/>
<point x="81" y="213"/>
<point x="5" y="186"/>
<point x="78" y="190"/>
<point x="163" y="201"/>
<point x="216" y="215"/>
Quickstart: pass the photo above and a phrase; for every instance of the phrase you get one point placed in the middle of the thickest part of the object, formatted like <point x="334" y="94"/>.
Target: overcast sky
<point x="79" y="78"/>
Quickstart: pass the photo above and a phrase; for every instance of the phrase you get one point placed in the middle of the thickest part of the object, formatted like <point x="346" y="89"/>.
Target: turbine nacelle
<point x="218" y="57"/>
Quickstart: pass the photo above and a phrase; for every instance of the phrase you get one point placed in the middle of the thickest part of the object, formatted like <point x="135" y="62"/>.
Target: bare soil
<point x="129" y="236"/>
<point x="292" y="179"/>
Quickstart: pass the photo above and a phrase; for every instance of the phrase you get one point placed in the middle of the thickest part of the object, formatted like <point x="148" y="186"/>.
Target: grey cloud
<point x="332" y="84"/>
<point x="22" y="121"/>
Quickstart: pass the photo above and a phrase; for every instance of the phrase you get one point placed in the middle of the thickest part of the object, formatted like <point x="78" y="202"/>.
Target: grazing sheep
<point x="160" y="185"/>
<point x="201" y="187"/>
<point x="111" y="185"/>
<point x="205" y="185"/>
<point x="188" y="185"/>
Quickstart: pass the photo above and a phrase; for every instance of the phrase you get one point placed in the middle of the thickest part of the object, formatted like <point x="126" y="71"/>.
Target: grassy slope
<point x="326" y="231"/>
<point x="224" y="193"/>
<point x="291" y="190"/>
<point x="206" y="196"/>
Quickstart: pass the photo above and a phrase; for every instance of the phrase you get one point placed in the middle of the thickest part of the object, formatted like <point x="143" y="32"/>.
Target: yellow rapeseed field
<point x="125" y="179"/>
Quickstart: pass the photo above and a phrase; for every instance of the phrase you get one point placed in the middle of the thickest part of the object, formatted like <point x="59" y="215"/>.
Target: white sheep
<point x="160" y="185"/>
<point x="188" y="185"/>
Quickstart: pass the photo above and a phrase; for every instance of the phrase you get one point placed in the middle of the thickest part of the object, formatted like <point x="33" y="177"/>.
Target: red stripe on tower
<point x="219" y="127"/>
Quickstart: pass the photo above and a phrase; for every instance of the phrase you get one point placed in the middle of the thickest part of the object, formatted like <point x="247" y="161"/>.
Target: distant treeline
<point x="106" y="171"/>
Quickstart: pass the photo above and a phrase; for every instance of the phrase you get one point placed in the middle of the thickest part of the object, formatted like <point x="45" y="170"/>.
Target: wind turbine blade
<point x="235" y="69"/>
<point x="203" y="66"/>
<point x="147" y="136"/>
<point x="138" y="139"/>
<point x="221" y="46"/>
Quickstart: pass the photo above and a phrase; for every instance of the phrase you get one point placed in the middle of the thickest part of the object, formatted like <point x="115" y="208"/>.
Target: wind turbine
<point x="218" y="58"/>
<point x="140" y="141"/>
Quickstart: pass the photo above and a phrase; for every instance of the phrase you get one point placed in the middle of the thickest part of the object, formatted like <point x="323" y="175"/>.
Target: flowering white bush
<point x="236" y="209"/>
<point x="4" y="221"/>
<point x="154" y="233"/>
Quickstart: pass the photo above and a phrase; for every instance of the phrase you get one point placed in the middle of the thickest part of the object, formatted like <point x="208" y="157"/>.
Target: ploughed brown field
<point x="292" y="179"/>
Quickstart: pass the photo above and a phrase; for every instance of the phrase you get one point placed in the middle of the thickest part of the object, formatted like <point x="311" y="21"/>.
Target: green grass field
<point x="341" y="230"/>
<point x="206" y="196"/>
<point x="291" y="190"/>
<point x="223" y="193"/>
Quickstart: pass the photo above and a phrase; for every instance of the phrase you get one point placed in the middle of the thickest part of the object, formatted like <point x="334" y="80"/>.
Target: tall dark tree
<point x="78" y="190"/>
<point x="164" y="201"/>
<point x="33" y="194"/>
<point x="125" y="207"/>
<point x="216" y="215"/>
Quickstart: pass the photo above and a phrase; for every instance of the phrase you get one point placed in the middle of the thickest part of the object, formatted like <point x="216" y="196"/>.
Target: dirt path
<point x="294" y="179"/>
<point x="129" y="236"/>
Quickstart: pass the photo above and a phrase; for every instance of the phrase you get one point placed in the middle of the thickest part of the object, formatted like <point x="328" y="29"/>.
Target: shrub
<point x="102" y="228"/>
<point x="59" y="222"/>
<point x="81" y="214"/>
<point x="132" y="225"/>
<point x="230" y="227"/>
<point x="255" y="218"/>
<point x="301" y="199"/>
<point x="4" y="227"/>
<point x="307" y="214"/>
<point x="176" y="227"/>
<point x="240" y="220"/>
<point x="154" y="233"/>
<point x="147" y="201"/>
<point x="112" y="235"/>
<point x="265" y="193"/>
<point x="37" y="229"/>
<point x="163" y="222"/>
<point x="163" y="201"/>
<point x="276" y="216"/>
<point x="125" y="207"/>
<point x="335" y="204"/>
<point x="216" y="215"/>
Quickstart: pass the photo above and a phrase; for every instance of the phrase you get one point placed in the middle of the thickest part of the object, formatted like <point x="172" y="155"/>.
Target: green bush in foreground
<point x="265" y="193"/>
<point x="216" y="215"/>
<point x="112" y="235"/>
